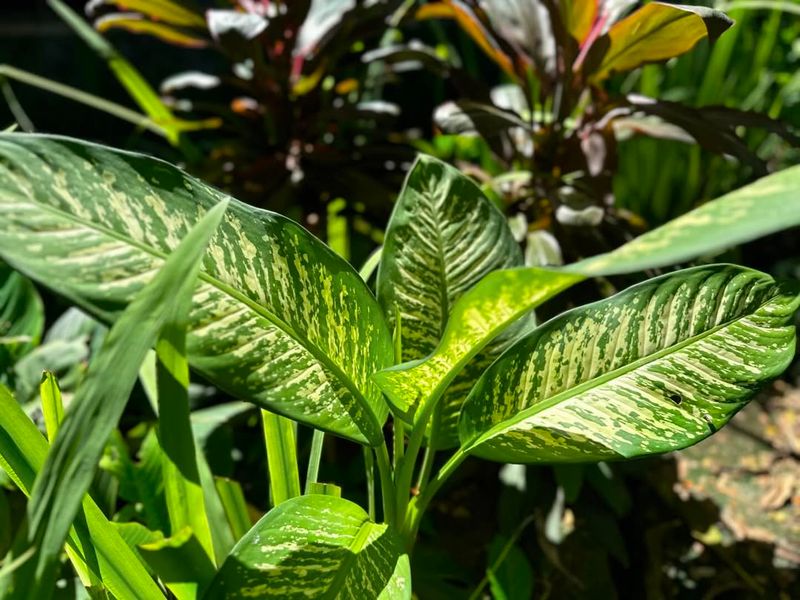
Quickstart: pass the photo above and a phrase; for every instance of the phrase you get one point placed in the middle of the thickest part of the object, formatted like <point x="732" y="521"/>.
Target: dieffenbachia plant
<point x="447" y="350"/>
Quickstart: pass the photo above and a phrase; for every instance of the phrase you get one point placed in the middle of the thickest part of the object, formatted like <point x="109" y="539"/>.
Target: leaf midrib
<point x="354" y="548"/>
<point x="601" y="380"/>
<point x="236" y="295"/>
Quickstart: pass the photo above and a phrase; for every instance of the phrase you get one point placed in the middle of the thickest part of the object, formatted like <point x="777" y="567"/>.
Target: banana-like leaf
<point x="655" y="368"/>
<point x="657" y="32"/>
<point x="315" y="546"/>
<point x="768" y="205"/>
<point x="443" y="237"/>
<point x="21" y="317"/>
<point x="496" y="302"/>
<point x="278" y="319"/>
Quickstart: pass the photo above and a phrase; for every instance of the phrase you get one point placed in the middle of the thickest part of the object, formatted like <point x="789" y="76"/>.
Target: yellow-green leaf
<point x="134" y="23"/>
<point x="657" y="32"/>
<point x="655" y="368"/>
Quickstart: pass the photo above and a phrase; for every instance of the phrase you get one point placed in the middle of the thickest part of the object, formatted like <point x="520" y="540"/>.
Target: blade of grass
<point x="138" y="88"/>
<point x="315" y="456"/>
<point x="182" y="488"/>
<point x="284" y="478"/>
<point x="99" y="402"/>
<point x="22" y="454"/>
<point x="66" y="91"/>
<point x="232" y="497"/>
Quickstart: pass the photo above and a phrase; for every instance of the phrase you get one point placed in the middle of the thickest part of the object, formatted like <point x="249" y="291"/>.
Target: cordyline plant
<point x="448" y="351"/>
<point x="557" y="123"/>
<point x="300" y="116"/>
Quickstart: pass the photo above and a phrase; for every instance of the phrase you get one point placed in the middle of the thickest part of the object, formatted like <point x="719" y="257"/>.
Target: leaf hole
<point x="710" y="422"/>
<point x="676" y="398"/>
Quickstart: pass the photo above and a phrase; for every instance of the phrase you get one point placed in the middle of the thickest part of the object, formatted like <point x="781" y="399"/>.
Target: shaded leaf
<point x="655" y="368"/>
<point x="21" y="317"/>
<point x="298" y="550"/>
<point x="278" y="319"/>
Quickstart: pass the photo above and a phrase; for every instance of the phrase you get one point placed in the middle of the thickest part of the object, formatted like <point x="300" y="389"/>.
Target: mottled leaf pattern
<point x="492" y="305"/>
<point x="21" y="317"/>
<point x="443" y="237"/>
<point x="315" y="546"/>
<point x="657" y="367"/>
<point x="277" y="319"/>
<point x="768" y="205"/>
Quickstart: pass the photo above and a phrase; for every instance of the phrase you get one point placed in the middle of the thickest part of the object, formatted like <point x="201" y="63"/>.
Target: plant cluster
<point x="446" y="352"/>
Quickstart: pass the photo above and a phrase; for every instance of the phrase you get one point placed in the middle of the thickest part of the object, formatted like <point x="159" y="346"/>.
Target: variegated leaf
<point x="278" y="319"/>
<point x="443" y="237"/>
<point x="487" y="309"/>
<point x="315" y="546"/>
<point x="657" y="367"/>
<point x="21" y="317"/>
<point x="768" y="205"/>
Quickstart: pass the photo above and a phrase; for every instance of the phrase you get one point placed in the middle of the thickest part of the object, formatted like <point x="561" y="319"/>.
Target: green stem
<point x="427" y="466"/>
<point x="314" y="459"/>
<point x="112" y="108"/>
<point x="399" y="437"/>
<point x="388" y="491"/>
<point x="369" y="465"/>
<point x="284" y="479"/>
<point x="418" y="504"/>
<point x="405" y="470"/>
<point x="501" y="557"/>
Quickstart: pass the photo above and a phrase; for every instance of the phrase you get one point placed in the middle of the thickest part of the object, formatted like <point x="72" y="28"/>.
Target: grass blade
<point x="99" y="403"/>
<point x="22" y="454"/>
<point x="232" y="497"/>
<point x="284" y="478"/>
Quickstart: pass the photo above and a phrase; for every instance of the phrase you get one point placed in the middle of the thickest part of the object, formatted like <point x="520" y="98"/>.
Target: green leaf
<point x="498" y="300"/>
<point x="134" y="23"/>
<point x="655" y="368"/>
<point x="233" y="501"/>
<point x="182" y="488"/>
<point x="443" y="237"/>
<point x="278" y="320"/>
<point x="133" y="81"/>
<point x="158" y="10"/>
<point x="315" y="546"/>
<point x="768" y="205"/>
<point x="22" y="454"/>
<point x="658" y="32"/>
<point x="281" y="445"/>
<point x="21" y="317"/>
<point x="98" y="405"/>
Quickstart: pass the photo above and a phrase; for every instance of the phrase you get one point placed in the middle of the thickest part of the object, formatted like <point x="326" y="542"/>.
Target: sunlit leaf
<point x="578" y="16"/>
<point x="165" y="11"/>
<point x="655" y="368"/>
<point x="99" y="402"/>
<point x="315" y="547"/>
<point x="657" y="32"/>
<point x="768" y="205"/>
<point x="94" y="539"/>
<point x="443" y="237"/>
<point x="134" y="23"/>
<point x="278" y="319"/>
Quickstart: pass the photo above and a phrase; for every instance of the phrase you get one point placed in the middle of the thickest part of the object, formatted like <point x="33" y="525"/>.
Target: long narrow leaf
<point x="99" y="403"/>
<point x="22" y="454"/>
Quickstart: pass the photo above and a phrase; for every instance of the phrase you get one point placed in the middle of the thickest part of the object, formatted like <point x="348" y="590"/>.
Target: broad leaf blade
<point x="498" y="300"/>
<point x="278" y="320"/>
<point x="655" y="368"/>
<point x="443" y="237"/>
<point x="658" y="32"/>
<point x="315" y="547"/>
<point x="768" y="205"/>
<point x="99" y="402"/>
